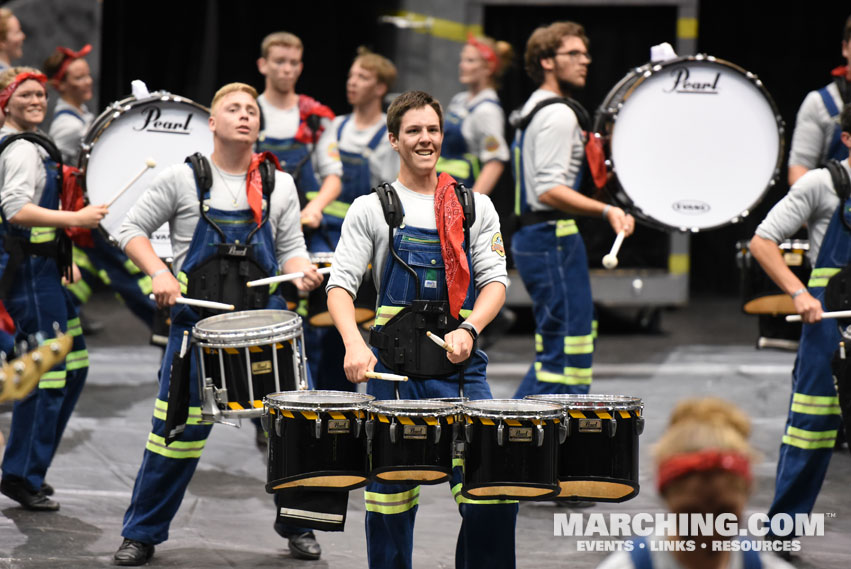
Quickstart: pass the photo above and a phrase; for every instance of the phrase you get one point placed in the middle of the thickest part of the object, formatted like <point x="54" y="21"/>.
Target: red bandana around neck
<point x="10" y="89"/>
<point x="450" y="227"/>
<point x="254" y="183"/>
<point x="702" y="461"/>
<point x="70" y="57"/>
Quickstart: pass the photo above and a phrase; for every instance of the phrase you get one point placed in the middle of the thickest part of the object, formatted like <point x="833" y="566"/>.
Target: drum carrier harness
<point x="402" y="343"/>
<point x="222" y="276"/>
<point x="17" y="244"/>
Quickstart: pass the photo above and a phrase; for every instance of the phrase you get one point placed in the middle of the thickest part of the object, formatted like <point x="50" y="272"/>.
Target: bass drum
<point x="117" y="147"/>
<point x="694" y="142"/>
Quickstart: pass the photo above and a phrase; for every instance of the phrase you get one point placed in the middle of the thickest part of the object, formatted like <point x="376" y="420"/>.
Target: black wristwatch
<point x="469" y="328"/>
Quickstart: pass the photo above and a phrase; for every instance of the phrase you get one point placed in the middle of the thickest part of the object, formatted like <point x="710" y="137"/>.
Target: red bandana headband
<point x="702" y="461"/>
<point x="70" y="57"/>
<point x="485" y="51"/>
<point x="10" y="89"/>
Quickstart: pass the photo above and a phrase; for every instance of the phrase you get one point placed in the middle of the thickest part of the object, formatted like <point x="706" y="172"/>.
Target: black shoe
<point x="133" y="553"/>
<point x="305" y="546"/>
<point x="35" y="501"/>
<point x="47" y="489"/>
<point x="90" y="327"/>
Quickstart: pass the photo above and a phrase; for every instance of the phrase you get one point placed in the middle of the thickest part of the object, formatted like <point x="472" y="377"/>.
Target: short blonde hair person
<point x="5" y="14"/>
<point x="232" y="88"/>
<point x="7" y="76"/>
<point x="283" y="39"/>
<point x="383" y="68"/>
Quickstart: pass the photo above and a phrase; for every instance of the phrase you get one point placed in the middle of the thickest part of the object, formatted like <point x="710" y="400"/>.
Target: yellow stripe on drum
<point x="513" y="423"/>
<point x="450" y="419"/>
<point x="279" y="346"/>
<point x="486" y="421"/>
<point x="576" y="414"/>
<point x="405" y="420"/>
<point x="258" y="403"/>
<point x="287" y="414"/>
<point x="232" y="351"/>
<point x="430" y="420"/>
<point x="255" y="349"/>
<point x="624" y="414"/>
<point x="383" y="418"/>
<point x="236" y="406"/>
<point x="603" y="415"/>
<point x="309" y="415"/>
<point x="337" y="416"/>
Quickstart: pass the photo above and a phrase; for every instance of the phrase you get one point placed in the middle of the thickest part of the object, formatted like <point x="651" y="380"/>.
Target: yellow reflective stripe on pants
<point x="594" y="327"/>
<point x="80" y="289"/>
<point x="82" y="260"/>
<point x="820" y="276"/>
<point x="77" y="360"/>
<point x="815" y="404"/>
<point x="460" y="499"/>
<point x="571" y="375"/>
<point x="385" y="313"/>
<point x="335" y="209"/>
<point x="391" y="503"/>
<point x="809" y="440"/>
<point x="579" y="344"/>
<point x="539" y="343"/>
<point x="146" y="285"/>
<point x="184" y="282"/>
<point x="42" y="234"/>
<point x="194" y="417"/>
<point x="177" y="449"/>
<point x="566" y="227"/>
<point x="74" y="328"/>
<point x="131" y="267"/>
<point x="52" y="380"/>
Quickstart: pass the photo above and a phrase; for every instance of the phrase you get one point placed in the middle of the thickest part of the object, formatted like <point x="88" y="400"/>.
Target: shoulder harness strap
<point x="390" y="205"/>
<point x="582" y="115"/>
<point x="840" y="179"/>
<point x="36" y="138"/>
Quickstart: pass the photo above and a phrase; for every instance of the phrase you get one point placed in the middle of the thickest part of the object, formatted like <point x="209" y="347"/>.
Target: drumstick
<point x="284" y="278"/>
<point x="610" y="261"/>
<point x="385" y="376"/>
<point x="441" y="342"/>
<point x="149" y="163"/>
<point x="836" y="314"/>
<point x="199" y="303"/>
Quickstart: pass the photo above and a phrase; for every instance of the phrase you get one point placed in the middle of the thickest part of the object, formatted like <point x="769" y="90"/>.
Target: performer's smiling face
<point x="419" y="140"/>
<point x="77" y="83"/>
<point x="236" y="118"/>
<point x="28" y="104"/>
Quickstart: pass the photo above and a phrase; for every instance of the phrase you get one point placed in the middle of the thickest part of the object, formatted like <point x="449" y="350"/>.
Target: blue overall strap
<point x="68" y="112"/>
<point x="640" y="556"/>
<point x="836" y="141"/>
<point x="342" y="125"/>
<point x="379" y="136"/>
<point x="473" y="108"/>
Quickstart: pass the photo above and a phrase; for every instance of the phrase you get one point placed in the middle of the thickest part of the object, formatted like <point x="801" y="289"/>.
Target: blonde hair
<point x="5" y="15"/>
<point x="544" y="42"/>
<point x="232" y="88"/>
<point x="702" y="424"/>
<point x="284" y="39"/>
<point x="383" y="68"/>
<point x="7" y="76"/>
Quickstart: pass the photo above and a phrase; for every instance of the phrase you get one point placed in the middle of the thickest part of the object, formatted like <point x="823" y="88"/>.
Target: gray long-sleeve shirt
<point x="172" y="197"/>
<point x="22" y="175"/>
<point x="365" y="237"/>
<point x="814" y="128"/>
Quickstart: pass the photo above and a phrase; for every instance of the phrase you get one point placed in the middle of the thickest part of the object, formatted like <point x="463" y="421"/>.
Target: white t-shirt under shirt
<point x="172" y="197"/>
<point x="484" y="128"/>
<point x="383" y="161"/>
<point x="365" y="239"/>
<point x="283" y="123"/>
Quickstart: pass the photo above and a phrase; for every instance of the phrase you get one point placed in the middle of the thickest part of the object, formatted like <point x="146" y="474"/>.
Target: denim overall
<point x="814" y="417"/>
<point x="37" y="300"/>
<point x="836" y="150"/>
<point x="455" y="157"/>
<point x="551" y="259"/>
<point x="166" y="470"/>
<point x="486" y="538"/>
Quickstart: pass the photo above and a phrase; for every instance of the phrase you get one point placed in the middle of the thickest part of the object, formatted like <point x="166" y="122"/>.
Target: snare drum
<point x="411" y="441"/>
<point x="165" y="127"/>
<point x="694" y="142"/>
<point x="244" y="356"/>
<point x="511" y="449"/>
<point x="759" y="293"/>
<point x="598" y="459"/>
<point x="316" y="439"/>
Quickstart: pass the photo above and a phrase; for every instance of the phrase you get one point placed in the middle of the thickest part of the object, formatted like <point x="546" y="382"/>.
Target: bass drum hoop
<point x="607" y="114"/>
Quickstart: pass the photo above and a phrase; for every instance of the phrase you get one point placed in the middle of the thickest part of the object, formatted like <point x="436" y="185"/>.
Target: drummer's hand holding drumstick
<point x="623" y="225"/>
<point x="90" y="216"/>
<point x="311" y="278"/>
<point x="808" y="306"/>
<point x="462" y="345"/>
<point x="311" y="215"/>
<point x="768" y="255"/>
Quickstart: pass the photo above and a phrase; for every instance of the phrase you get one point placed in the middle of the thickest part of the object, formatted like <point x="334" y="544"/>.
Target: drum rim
<point x="358" y="401"/>
<point x="591" y="401"/>
<point x="322" y="257"/>
<point x="247" y="336"/>
<point x="385" y="407"/>
<point x="551" y="411"/>
<point x="607" y="115"/>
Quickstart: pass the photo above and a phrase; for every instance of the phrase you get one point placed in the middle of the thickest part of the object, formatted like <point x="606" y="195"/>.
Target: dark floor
<point x="226" y="517"/>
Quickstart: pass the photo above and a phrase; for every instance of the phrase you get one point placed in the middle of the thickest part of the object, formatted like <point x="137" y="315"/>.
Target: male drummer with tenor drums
<point x="420" y="225"/>
<point x="548" y="251"/>
<point x="814" y="417"/>
<point x="236" y="191"/>
<point x="817" y="134"/>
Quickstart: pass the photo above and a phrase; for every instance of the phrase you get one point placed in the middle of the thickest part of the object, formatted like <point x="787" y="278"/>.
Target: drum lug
<point x="639" y="425"/>
<point x="279" y="423"/>
<point x="563" y="431"/>
<point x="393" y="429"/>
<point x="358" y="426"/>
<point x="264" y="420"/>
<point x="369" y="428"/>
<point x="540" y="435"/>
<point x="437" y="430"/>
<point x="500" y="434"/>
<point x="613" y="427"/>
<point x="318" y="428"/>
<point x="468" y="433"/>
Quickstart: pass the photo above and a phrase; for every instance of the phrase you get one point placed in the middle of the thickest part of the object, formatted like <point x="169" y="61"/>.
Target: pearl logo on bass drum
<point x="173" y="124"/>
<point x="685" y="85"/>
<point x="691" y="207"/>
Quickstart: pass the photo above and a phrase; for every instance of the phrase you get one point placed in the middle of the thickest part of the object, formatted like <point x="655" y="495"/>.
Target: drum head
<point x="590" y="401"/>
<point x="318" y="400"/>
<point x="247" y="327"/>
<point x="414" y="407"/>
<point x="163" y="127"/>
<point x="695" y="144"/>
<point x="512" y="408"/>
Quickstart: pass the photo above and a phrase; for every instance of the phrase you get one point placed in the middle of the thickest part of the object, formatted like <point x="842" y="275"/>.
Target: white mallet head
<point x="151" y="163"/>
<point x="610" y="261"/>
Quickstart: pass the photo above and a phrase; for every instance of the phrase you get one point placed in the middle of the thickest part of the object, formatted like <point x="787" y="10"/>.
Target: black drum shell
<point x="414" y="452"/>
<point x="297" y="458"/>
<point x="592" y="464"/>
<point x="760" y="295"/>
<point x="528" y="471"/>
